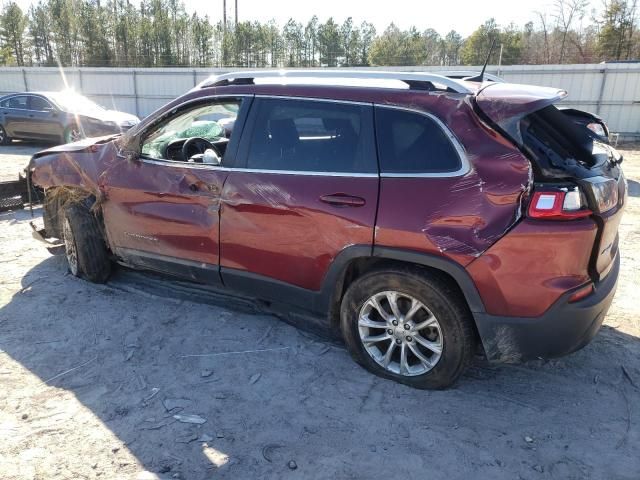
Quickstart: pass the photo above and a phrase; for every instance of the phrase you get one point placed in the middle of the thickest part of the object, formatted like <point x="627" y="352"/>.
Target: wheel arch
<point x="357" y="260"/>
<point x="56" y="200"/>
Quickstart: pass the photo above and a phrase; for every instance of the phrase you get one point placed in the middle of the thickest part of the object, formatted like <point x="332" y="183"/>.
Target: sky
<point x="464" y="16"/>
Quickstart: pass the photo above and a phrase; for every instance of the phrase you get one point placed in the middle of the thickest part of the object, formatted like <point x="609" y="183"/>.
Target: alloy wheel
<point x="400" y="333"/>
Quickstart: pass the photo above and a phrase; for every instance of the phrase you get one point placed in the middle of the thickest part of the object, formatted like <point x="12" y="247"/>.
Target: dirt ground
<point x="92" y="376"/>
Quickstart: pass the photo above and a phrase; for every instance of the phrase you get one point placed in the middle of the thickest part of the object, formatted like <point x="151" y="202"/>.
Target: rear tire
<point x="425" y="341"/>
<point x="85" y="248"/>
<point x="4" y="138"/>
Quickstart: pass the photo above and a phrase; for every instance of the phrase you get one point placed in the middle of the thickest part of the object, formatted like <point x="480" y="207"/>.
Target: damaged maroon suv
<point x="420" y="215"/>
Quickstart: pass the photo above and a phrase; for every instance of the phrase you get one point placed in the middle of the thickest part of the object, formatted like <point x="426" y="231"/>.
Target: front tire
<point x="72" y="134"/>
<point x="4" y="137"/>
<point x="408" y="325"/>
<point x="85" y="248"/>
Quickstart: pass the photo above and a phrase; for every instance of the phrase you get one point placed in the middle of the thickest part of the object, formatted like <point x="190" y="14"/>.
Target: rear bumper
<point x="562" y="329"/>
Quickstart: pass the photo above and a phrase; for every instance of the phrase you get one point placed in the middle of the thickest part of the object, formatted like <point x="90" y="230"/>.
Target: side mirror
<point x="128" y="148"/>
<point x="127" y="154"/>
<point x="130" y="155"/>
<point x="210" y="157"/>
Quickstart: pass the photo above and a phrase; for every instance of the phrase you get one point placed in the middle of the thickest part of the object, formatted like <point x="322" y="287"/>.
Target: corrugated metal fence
<point x="610" y="90"/>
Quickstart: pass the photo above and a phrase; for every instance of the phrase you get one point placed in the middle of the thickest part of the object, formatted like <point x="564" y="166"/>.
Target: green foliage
<point x="617" y="28"/>
<point x="330" y="43"/>
<point x="398" y="47"/>
<point x="156" y="33"/>
<point x="452" y="46"/>
<point x="13" y="24"/>
<point x="476" y="47"/>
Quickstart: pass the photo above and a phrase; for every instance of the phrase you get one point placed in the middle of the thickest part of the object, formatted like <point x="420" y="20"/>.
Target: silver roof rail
<point x="463" y="74"/>
<point x="415" y="80"/>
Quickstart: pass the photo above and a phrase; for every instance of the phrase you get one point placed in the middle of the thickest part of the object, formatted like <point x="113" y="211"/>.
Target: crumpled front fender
<point x="80" y="165"/>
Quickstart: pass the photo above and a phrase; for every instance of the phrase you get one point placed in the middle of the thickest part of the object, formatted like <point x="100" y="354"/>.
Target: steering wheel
<point x="194" y="146"/>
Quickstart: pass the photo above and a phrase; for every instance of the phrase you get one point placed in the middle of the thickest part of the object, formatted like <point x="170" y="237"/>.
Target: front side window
<point x="19" y="103"/>
<point x="413" y="143"/>
<point x="311" y="136"/>
<point x="200" y="128"/>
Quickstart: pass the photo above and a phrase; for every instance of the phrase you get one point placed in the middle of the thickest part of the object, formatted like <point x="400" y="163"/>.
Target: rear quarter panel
<point x="525" y="272"/>
<point x="456" y="217"/>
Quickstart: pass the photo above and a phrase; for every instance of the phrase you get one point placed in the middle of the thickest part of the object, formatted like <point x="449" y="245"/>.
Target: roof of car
<point x="343" y="77"/>
<point x="42" y="94"/>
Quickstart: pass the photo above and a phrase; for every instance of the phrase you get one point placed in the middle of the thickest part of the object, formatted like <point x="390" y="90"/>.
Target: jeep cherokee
<point x="420" y="215"/>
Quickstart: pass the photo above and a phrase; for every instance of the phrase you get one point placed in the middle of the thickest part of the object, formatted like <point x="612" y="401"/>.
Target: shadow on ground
<point x="123" y="358"/>
<point x="634" y="188"/>
<point x="17" y="147"/>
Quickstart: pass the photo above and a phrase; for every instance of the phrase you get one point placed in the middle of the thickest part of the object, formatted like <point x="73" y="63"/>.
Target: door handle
<point x="201" y="186"/>
<point x="343" y="200"/>
<point x="30" y="115"/>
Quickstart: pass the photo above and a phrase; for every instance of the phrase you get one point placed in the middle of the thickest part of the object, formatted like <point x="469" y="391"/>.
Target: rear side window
<point x="312" y="136"/>
<point x="410" y="142"/>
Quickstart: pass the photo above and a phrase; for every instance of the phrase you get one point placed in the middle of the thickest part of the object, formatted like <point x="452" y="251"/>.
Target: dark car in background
<point x="63" y="117"/>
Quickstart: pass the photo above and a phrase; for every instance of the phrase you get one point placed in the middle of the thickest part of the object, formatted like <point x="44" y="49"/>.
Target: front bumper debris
<point x="55" y="247"/>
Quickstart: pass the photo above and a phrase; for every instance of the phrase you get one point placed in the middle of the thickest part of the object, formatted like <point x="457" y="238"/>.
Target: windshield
<point x="75" y="103"/>
<point x="211" y="122"/>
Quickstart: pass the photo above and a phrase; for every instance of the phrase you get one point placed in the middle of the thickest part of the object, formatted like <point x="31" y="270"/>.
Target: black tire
<point x="4" y="138"/>
<point x="440" y="297"/>
<point x="83" y="234"/>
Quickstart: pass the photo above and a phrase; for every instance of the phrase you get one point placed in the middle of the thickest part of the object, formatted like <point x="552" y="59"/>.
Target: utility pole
<point x="224" y="32"/>
<point x="224" y="15"/>
<point x="236" y="13"/>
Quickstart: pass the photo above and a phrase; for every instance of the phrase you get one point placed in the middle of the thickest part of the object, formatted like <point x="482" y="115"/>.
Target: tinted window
<point x="312" y="136"/>
<point x="39" y="103"/>
<point x="18" y="102"/>
<point x="409" y="142"/>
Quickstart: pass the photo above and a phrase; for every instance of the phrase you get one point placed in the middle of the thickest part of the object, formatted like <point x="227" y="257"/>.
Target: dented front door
<point x="165" y="216"/>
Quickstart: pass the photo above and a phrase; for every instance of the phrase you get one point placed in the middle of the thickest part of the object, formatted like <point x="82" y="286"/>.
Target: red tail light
<point x="563" y="204"/>
<point x="581" y="293"/>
